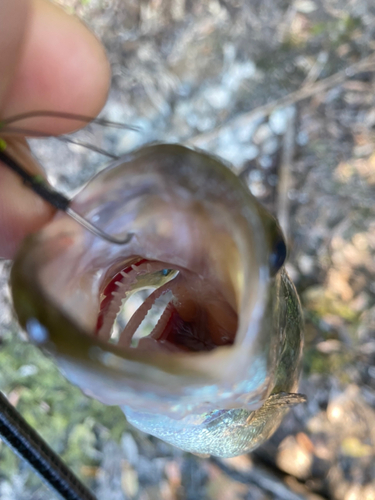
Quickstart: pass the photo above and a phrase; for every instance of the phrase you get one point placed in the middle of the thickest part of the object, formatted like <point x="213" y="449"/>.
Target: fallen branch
<point x="266" y="480"/>
<point x="284" y="184"/>
<point x="367" y="63"/>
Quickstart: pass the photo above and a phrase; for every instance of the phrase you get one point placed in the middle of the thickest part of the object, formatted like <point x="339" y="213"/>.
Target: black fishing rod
<point x="32" y="448"/>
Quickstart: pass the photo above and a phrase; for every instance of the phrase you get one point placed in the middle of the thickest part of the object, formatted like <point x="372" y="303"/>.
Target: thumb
<point x="13" y="20"/>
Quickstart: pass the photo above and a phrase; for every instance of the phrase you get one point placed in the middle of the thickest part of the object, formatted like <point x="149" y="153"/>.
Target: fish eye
<point x="278" y="254"/>
<point x="165" y="272"/>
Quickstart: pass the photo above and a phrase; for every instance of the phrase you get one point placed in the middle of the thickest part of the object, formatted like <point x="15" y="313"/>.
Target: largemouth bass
<point x="219" y="369"/>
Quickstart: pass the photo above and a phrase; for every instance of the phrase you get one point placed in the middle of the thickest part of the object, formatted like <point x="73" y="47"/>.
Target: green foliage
<point x="327" y="364"/>
<point x="64" y="417"/>
<point x="8" y="462"/>
<point x="339" y="30"/>
<point x="81" y="446"/>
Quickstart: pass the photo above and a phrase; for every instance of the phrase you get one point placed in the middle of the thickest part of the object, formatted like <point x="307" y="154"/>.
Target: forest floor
<point x="285" y="91"/>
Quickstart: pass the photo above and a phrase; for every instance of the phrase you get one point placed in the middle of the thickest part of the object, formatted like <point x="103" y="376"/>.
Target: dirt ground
<point x="285" y="92"/>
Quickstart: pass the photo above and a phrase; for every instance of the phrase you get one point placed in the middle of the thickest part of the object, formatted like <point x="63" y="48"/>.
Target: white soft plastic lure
<point x="219" y="369"/>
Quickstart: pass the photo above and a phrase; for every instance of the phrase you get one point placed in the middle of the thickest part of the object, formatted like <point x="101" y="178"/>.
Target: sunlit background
<point x="250" y="82"/>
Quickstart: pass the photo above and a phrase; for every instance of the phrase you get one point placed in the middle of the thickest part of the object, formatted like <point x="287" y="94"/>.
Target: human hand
<point x="48" y="61"/>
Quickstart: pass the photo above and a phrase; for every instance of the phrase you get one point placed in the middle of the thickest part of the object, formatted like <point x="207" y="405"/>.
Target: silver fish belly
<point x="219" y="369"/>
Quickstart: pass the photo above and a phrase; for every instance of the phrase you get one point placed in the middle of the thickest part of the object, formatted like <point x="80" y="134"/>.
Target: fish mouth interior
<point x="184" y="312"/>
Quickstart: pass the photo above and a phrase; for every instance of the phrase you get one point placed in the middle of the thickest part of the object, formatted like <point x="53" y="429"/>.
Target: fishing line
<point x="67" y="116"/>
<point x="5" y="128"/>
<point x="69" y="140"/>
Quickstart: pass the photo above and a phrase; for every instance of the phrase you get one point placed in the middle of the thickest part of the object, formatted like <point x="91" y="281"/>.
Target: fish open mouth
<point x="183" y="312"/>
<point x="201" y="334"/>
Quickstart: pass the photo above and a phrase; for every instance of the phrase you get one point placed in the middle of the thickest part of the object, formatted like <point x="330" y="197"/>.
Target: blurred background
<point x="284" y="90"/>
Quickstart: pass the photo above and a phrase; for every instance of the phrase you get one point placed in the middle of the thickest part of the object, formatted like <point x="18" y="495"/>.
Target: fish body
<point x="219" y="369"/>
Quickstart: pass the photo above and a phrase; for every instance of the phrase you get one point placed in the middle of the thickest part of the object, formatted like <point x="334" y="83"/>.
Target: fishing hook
<point x="41" y="187"/>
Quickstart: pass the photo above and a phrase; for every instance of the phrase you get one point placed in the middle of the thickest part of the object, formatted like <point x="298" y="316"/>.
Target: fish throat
<point x="150" y="305"/>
